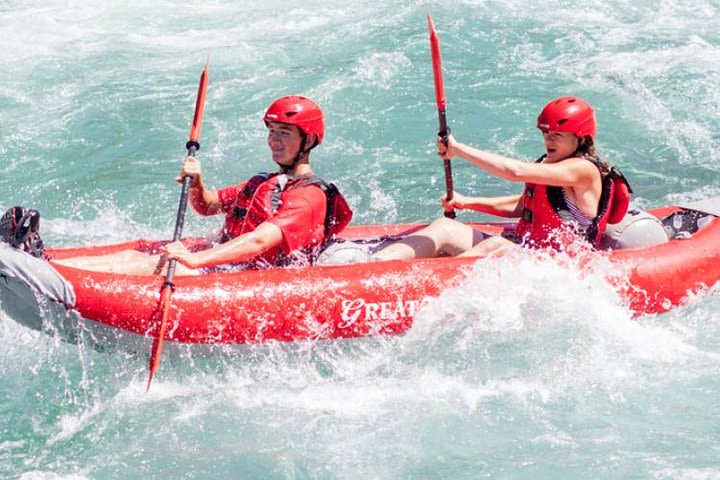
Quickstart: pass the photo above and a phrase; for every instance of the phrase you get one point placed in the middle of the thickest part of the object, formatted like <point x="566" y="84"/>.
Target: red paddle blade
<point x="199" y="105"/>
<point x="437" y="65"/>
<point x="156" y="351"/>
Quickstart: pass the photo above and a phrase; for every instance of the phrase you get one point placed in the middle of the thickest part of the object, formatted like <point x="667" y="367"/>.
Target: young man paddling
<point x="270" y="220"/>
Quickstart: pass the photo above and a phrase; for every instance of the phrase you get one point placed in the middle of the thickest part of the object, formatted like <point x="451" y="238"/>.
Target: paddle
<point x="443" y="131"/>
<point x="168" y="287"/>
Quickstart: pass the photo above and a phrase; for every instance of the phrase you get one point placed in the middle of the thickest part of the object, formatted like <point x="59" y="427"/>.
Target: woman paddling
<point x="569" y="192"/>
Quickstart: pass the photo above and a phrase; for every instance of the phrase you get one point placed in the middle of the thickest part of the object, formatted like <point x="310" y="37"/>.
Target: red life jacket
<point x="541" y="226"/>
<point x="262" y="195"/>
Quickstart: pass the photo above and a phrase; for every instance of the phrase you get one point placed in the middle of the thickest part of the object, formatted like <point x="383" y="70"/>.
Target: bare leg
<point x="129" y="262"/>
<point x="442" y="237"/>
<point x="494" y="245"/>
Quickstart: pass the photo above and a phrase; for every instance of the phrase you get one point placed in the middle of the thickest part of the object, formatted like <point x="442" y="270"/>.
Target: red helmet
<point x="299" y="111"/>
<point x="568" y="114"/>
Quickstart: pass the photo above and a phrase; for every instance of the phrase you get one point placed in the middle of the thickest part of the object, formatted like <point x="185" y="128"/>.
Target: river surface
<point x="527" y="370"/>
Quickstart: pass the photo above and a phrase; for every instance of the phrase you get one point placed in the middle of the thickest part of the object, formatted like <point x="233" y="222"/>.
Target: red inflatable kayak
<point x="360" y="299"/>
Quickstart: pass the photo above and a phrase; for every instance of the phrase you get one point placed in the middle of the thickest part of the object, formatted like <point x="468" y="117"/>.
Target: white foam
<point x="40" y="475"/>
<point x="379" y="68"/>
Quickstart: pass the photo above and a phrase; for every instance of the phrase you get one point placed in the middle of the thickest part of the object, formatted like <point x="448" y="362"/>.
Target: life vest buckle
<point x="239" y="212"/>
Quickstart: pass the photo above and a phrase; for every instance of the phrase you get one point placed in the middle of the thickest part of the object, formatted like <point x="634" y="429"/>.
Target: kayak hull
<point x="341" y="301"/>
<point x="309" y="303"/>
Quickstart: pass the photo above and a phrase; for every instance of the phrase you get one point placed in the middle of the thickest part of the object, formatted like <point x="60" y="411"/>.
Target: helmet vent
<point x="290" y="114"/>
<point x="561" y="121"/>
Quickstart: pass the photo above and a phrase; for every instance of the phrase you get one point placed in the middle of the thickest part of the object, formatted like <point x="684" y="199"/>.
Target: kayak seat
<point x="340" y="251"/>
<point x="344" y="252"/>
<point x="637" y="229"/>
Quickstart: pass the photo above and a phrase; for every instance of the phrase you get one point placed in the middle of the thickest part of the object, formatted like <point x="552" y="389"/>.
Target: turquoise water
<point x="525" y="371"/>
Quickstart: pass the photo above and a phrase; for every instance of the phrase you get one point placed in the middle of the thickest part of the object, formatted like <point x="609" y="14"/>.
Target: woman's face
<point x="559" y="145"/>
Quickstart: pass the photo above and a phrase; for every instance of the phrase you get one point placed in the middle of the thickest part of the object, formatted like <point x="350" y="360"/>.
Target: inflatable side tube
<point x="710" y="206"/>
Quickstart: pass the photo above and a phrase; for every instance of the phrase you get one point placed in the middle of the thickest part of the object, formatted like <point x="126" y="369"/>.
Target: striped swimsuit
<point x="575" y="217"/>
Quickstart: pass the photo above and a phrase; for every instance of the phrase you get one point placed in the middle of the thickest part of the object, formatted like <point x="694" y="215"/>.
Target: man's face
<point x="284" y="141"/>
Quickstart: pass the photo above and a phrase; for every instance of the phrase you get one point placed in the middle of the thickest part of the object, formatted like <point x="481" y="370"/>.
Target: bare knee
<point x="452" y="237"/>
<point x="446" y="226"/>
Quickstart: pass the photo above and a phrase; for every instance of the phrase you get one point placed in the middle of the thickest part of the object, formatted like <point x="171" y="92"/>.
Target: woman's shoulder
<point x="584" y="161"/>
<point x="583" y="167"/>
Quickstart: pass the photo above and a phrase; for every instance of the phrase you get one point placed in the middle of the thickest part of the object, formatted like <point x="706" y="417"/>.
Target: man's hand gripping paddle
<point x="192" y="146"/>
<point x="444" y="131"/>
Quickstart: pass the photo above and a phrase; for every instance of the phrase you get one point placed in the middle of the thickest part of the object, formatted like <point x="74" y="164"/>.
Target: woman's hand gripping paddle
<point x="192" y="146"/>
<point x="444" y="131"/>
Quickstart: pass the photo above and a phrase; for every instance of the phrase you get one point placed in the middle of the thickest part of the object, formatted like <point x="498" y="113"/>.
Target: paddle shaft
<point x="180" y="219"/>
<point x="443" y="133"/>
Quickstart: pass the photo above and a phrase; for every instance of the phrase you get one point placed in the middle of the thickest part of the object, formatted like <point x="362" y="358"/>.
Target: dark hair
<point x="587" y="149"/>
<point x="586" y="146"/>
